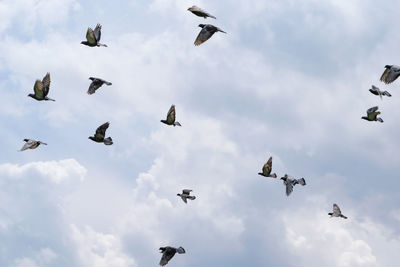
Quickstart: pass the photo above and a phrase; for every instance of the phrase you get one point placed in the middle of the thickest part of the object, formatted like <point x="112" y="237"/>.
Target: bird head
<point x="31" y="95"/>
<point x="388" y="66"/>
<point x="202" y="25"/>
<point x="178" y="194"/>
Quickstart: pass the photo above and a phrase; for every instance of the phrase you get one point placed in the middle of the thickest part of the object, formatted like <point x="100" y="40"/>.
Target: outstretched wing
<point x="28" y="144"/>
<point x="46" y="84"/>
<point x="203" y="36"/>
<point x="267" y="167"/>
<point x="97" y="32"/>
<point x="186" y="191"/>
<point x="171" y="115"/>
<point x="336" y="209"/>
<point x="101" y="131"/>
<point x="373" y="109"/>
<point x="90" y="37"/>
<point x="289" y="187"/>
<point x="167" y="256"/>
<point x="390" y="75"/>
<point x="38" y="89"/>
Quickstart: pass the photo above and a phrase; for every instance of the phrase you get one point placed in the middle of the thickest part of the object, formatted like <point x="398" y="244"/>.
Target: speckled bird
<point x="93" y="37"/>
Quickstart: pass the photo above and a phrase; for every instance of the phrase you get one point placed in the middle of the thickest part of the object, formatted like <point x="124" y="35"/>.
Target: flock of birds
<point x="391" y="73"/>
<point x="41" y="90"/>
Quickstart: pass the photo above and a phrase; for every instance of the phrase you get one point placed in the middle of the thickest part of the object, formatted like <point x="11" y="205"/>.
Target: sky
<point x="290" y="80"/>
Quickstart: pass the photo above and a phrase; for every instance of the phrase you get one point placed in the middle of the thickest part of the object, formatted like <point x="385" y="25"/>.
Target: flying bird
<point x="290" y="182"/>
<point x="391" y="73"/>
<point x="200" y="12"/>
<point x="267" y="168"/>
<point x="171" y="117"/>
<point x="31" y="144"/>
<point x="96" y="84"/>
<point x="206" y="32"/>
<point x="186" y="195"/>
<point x="372" y="115"/>
<point x="41" y="89"/>
<point x="376" y="91"/>
<point x="169" y="253"/>
<point x="100" y="134"/>
<point x="93" y="37"/>
<point x="336" y="212"/>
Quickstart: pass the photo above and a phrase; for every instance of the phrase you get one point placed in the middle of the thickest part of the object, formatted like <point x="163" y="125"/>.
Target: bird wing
<point x="38" y="89"/>
<point x="390" y="75"/>
<point x="289" y="187"/>
<point x="336" y="209"/>
<point x="203" y="36"/>
<point x="94" y="85"/>
<point x="267" y="167"/>
<point x="371" y="110"/>
<point x="186" y="191"/>
<point x="184" y="198"/>
<point x="101" y="130"/>
<point x="90" y="37"/>
<point x="168" y="254"/>
<point x="28" y="144"/>
<point x="97" y="32"/>
<point x="171" y="115"/>
<point x="46" y="84"/>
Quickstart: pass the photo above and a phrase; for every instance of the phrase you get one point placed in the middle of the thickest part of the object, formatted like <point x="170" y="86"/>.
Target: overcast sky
<point x="290" y="79"/>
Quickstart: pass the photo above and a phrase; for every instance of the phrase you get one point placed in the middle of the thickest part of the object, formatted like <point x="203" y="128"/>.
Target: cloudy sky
<point x="289" y="80"/>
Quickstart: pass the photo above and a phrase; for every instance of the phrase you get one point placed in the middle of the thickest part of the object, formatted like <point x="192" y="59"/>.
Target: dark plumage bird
<point x="96" y="84"/>
<point x="171" y="117"/>
<point x="169" y="253"/>
<point x="391" y="73"/>
<point x="372" y="115"/>
<point x="93" y="37"/>
<point x="336" y="212"/>
<point x="100" y="134"/>
<point x="41" y="89"/>
<point x="376" y="91"/>
<point x="267" y="168"/>
<point x="186" y="195"/>
<point x="200" y="12"/>
<point x="31" y="144"/>
<point x="206" y="32"/>
<point x="290" y="182"/>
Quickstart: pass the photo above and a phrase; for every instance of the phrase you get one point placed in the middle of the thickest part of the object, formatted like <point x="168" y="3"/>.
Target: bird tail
<point x="177" y="123"/>
<point x="98" y="44"/>
<point x="211" y="16"/>
<point x="273" y="175"/>
<point x="302" y="181"/>
<point x="49" y="99"/>
<point x="344" y="217"/>
<point x="330" y="213"/>
<point x="108" y="83"/>
<point x="379" y="119"/>
<point x="108" y="141"/>
<point x="180" y="250"/>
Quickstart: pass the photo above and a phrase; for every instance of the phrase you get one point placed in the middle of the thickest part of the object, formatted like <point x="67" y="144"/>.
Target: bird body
<point x="267" y="168"/>
<point x="31" y="144"/>
<point x="207" y="30"/>
<point x="336" y="212"/>
<point x="93" y="37"/>
<point x="200" y="12"/>
<point x="41" y="89"/>
<point x="168" y="253"/>
<point x="372" y="114"/>
<point x="376" y="91"/>
<point x="99" y="136"/>
<point x="290" y="182"/>
<point x="96" y="84"/>
<point x="391" y="73"/>
<point x="186" y="195"/>
<point x="171" y="117"/>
